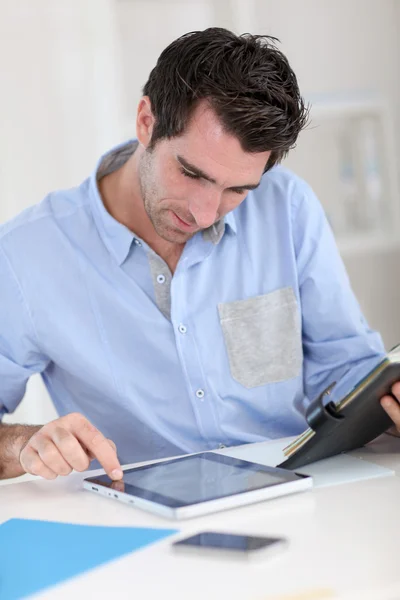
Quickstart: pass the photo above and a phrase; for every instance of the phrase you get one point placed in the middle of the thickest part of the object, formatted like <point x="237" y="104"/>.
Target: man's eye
<point x="239" y="191"/>
<point x="189" y="174"/>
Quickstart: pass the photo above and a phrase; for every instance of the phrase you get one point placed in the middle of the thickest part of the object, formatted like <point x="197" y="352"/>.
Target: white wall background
<point x="59" y="109"/>
<point x="71" y="73"/>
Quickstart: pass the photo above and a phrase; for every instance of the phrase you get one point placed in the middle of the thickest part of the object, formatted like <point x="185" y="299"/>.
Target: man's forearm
<point x="12" y="440"/>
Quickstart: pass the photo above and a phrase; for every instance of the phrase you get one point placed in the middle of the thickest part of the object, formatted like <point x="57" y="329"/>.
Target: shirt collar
<point x="215" y="232"/>
<point x="117" y="237"/>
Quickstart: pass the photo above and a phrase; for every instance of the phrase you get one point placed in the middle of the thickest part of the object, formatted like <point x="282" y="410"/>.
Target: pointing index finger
<point x="100" y="448"/>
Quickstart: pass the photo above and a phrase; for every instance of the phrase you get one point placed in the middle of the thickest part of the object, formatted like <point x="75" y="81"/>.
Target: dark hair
<point x="247" y="80"/>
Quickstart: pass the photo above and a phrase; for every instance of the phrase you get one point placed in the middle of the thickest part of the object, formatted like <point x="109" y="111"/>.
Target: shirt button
<point x="138" y="242"/>
<point x="200" y="394"/>
<point x="161" y="278"/>
<point x="182" y="328"/>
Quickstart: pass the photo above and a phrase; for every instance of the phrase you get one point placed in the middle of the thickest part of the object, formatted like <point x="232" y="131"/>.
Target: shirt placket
<point x="183" y="312"/>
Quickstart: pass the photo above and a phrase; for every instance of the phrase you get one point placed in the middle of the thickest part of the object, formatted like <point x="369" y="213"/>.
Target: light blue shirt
<point x="258" y="318"/>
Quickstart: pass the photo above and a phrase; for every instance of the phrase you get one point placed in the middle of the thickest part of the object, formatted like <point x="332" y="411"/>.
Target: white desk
<point x="344" y="538"/>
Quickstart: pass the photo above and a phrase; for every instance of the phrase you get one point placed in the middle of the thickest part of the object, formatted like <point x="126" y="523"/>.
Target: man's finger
<point x="71" y="449"/>
<point x="33" y="464"/>
<point x="393" y="431"/>
<point x="392" y="407"/>
<point x="113" y="446"/>
<point x="396" y="390"/>
<point x="99" y="447"/>
<point x="50" y="455"/>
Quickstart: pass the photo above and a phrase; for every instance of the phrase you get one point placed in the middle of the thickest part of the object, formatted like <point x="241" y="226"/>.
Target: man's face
<point x="193" y="180"/>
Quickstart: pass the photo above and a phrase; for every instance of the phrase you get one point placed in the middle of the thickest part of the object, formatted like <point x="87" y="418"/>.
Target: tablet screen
<point x="196" y="478"/>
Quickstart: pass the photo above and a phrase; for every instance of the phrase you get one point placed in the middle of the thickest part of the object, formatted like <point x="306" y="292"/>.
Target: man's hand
<point x="392" y="406"/>
<point x="68" y="443"/>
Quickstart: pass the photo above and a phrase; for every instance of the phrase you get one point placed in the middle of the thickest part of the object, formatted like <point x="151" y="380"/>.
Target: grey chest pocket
<point x="263" y="338"/>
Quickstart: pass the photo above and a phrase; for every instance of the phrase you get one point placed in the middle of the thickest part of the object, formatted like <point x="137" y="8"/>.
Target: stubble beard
<point x="158" y="217"/>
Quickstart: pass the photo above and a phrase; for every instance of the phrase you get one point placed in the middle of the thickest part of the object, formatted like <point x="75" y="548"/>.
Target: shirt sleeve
<point x="338" y="344"/>
<point x="20" y="356"/>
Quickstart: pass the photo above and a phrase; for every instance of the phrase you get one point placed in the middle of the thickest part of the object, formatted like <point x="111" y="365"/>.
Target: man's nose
<point x="204" y="208"/>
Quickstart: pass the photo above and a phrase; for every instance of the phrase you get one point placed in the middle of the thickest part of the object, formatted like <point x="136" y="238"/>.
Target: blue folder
<point x="37" y="554"/>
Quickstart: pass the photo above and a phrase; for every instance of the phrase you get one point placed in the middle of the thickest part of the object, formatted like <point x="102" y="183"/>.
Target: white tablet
<point x="198" y="484"/>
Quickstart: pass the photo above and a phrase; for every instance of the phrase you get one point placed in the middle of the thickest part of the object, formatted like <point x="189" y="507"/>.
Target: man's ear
<point x="144" y="121"/>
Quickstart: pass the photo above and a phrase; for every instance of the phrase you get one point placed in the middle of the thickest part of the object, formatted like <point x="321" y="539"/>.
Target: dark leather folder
<point x="350" y="423"/>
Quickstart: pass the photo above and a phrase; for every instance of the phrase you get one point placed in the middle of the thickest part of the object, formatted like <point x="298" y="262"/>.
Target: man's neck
<point x="120" y="192"/>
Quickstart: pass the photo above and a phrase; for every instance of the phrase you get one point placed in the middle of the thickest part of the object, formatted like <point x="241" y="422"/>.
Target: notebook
<point x="349" y="423"/>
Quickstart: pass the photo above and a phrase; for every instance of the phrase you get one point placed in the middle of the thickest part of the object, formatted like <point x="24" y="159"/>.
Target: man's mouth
<point x="183" y="225"/>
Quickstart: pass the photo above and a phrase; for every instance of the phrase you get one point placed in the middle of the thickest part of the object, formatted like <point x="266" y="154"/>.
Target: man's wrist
<point x="13" y="438"/>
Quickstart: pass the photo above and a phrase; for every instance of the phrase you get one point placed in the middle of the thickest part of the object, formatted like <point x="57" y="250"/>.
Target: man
<point x="189" y="294"/>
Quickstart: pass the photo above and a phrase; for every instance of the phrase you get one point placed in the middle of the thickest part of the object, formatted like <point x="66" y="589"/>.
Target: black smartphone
<point x="213" y="543"/>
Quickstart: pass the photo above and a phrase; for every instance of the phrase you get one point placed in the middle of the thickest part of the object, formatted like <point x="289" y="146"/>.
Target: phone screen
<point x="228" y="541"/>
